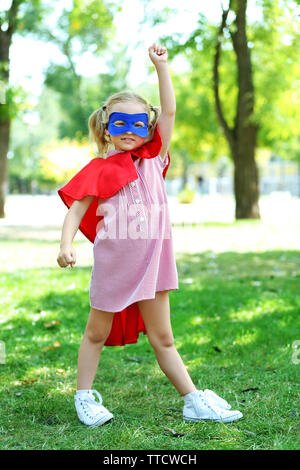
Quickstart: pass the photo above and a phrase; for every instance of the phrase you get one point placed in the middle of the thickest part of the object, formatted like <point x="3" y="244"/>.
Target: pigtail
<point x="98" y="122"/>
<point x="153" y="120"/>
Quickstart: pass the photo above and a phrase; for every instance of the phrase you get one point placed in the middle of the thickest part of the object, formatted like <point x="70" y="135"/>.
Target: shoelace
<point x="89" y="404"/>
<point x="98" y="395"/>
<point x="211" y="404"/>
<point x="212" y="396"/>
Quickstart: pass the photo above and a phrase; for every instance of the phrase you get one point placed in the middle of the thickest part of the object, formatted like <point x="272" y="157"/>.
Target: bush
<point x="186" y="196"/>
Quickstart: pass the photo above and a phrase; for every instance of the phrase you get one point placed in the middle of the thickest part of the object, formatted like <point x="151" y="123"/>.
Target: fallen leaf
<point x="55" y="345"/>
<point x="61" y="371"/>
<point x="52" y="323"/>
<point x="271" y="369"/>
<point x="173" y="433"/>
<point x="28" y="381"/>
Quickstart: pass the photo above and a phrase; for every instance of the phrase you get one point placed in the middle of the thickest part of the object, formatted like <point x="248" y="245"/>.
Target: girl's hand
<point x="158" y="54"/>
<point x="66" y="256"/>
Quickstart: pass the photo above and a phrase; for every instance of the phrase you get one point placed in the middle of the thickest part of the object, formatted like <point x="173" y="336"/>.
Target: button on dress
<point x="133" y="250"/>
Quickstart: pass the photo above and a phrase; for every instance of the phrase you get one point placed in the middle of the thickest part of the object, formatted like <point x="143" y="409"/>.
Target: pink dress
<point x="133" y="249"/>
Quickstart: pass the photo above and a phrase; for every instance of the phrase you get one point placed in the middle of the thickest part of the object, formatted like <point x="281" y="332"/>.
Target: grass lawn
<point x="235" y="319"/>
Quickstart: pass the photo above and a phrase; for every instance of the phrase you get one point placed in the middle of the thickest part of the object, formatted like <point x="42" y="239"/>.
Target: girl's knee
<point x="161" y="341"/>
<point x="98" y="326"/>
<point x="97" y="336"/>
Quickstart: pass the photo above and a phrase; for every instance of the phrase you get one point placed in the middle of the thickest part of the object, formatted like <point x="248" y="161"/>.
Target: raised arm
<point x="159" y="56"/>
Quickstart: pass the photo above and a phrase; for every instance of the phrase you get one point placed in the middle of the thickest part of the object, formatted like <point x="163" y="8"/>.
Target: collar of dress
<point x="118" y="168"/>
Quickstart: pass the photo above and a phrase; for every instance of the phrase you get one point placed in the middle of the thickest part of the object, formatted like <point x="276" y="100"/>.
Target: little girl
<point x="120" y="204"/>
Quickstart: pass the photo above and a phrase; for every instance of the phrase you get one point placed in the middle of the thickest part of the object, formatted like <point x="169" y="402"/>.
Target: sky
<point x="30" y="57"/>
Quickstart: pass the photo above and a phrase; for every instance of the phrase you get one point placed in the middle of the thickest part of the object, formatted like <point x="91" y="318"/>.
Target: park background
<point x="234" y="197"/>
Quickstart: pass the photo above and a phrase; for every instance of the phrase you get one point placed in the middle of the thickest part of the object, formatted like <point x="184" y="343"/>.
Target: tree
<point x="215" y="96"/>
<point x="242" y="136"/>
<point x="21" y="17"/>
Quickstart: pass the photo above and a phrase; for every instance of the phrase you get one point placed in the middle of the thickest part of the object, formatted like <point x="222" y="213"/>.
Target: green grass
<point x="234" y="318"/>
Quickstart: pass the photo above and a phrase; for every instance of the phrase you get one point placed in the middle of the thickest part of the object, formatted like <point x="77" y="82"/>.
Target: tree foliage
<point x="274" y="42"/>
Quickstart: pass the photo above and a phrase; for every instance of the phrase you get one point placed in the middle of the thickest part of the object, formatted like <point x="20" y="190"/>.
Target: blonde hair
<point x="98" y="120"/>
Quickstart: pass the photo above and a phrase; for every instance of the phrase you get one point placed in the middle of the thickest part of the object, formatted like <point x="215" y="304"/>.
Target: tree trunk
<point x="246" y="186"/>
<point x="5" y="40"/>
<point x="242" y="137"/>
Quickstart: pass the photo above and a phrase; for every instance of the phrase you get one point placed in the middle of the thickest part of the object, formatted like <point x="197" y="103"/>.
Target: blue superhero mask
<point x="135" y="123"/>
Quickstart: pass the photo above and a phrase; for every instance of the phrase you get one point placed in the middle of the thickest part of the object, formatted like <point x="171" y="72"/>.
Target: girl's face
<point x="127" y="141"/>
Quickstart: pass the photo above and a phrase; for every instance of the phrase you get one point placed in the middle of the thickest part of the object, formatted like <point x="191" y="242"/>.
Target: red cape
<point x="103" y="178"/>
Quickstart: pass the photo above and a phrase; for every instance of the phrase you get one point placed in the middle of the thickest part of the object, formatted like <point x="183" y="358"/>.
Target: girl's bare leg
<point x="156" y="316"/>
<point x="97" y="330"/>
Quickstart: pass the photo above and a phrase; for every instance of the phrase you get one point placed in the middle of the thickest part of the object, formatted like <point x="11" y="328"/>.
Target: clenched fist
<point x="158" y="54"/>
<point x="66" y="256"/>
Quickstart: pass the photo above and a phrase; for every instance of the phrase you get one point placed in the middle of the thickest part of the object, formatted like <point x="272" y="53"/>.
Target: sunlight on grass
<point x="245" y="338"/>
<point x="249" y="315"/>
<point x="196" y="320"/>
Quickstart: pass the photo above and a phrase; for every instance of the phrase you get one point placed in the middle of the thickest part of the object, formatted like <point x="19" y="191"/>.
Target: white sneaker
<point x="220" y="402"/>
<point x="199" y="407"/>
<point x="89" y="411"/>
